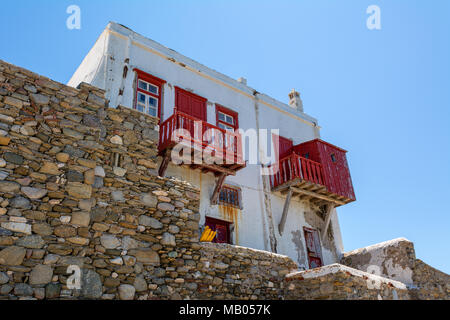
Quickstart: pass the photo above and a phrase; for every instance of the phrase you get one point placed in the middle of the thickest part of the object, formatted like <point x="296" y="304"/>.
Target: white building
<point x="137" y="72"/>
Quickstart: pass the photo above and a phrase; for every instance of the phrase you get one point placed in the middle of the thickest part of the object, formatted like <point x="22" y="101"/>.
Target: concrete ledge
<point x="339" y="268"/>
<point x="377" y="246"/>
<point x="228" y="248"/>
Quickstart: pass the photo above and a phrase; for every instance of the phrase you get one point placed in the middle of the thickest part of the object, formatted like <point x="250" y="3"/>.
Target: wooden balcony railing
<point x="295" y="166"/>
<point x="201" y="134"/>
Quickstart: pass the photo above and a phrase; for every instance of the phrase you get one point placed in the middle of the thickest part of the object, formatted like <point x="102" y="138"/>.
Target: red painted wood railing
<point x="202" y="135"/>
<point x="295" y="166"/>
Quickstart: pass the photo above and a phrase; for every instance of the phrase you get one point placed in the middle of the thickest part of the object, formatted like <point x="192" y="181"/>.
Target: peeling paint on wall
<point x="316" y="220"/>
<point x="232" y="215"/>
<point x="395" y="258"/>
<point x="297" y="239"/>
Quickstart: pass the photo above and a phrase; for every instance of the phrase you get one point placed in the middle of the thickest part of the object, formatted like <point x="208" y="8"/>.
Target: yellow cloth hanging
<point x="208" y="235"/>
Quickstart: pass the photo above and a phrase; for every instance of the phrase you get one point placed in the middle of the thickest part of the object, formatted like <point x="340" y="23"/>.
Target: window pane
<point x="221" y="116"/>
<point x="153" y="102"/>
<point x="229" y="196"/>
<point x="152" y="112"/>
<point x="142" y="85"/>
<point x="333" y="157"/>
<point x="229" y="119"/>
<point x="153" y="89"/>
<point x="141" y="97"/>
<point x="225" y="127"/>
<point x="140" y="108"/>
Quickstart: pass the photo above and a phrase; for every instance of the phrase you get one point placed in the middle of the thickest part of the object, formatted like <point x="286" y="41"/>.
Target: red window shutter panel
<point x="190" y="104"/>
<point x="284" y="146"/>
<point x="183" y="103"/>
<point x="222" y="234"/>
<point x="198" y="109"/>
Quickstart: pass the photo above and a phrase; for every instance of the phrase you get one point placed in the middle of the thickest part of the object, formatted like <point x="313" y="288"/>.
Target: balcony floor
<point x="315" y="193"/>
<point x="209" y="162"/>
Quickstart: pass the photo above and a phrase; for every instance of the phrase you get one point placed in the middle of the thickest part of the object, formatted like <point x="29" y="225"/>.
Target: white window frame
<point x="147" y="105"/>
<point x="148" y="84"/>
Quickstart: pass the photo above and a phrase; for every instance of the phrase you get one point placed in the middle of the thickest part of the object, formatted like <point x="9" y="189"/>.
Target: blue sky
<point x="381" y="94"/>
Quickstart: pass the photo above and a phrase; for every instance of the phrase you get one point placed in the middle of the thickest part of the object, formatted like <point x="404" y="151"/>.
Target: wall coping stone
<point x="336" y="268"/>
<point x="384" y="244"/>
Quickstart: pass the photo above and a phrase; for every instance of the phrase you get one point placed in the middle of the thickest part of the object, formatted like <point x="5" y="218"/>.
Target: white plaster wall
<point x="103" y="67"/>
<point x="92" y="69"/>
<point x="393" y="259"/>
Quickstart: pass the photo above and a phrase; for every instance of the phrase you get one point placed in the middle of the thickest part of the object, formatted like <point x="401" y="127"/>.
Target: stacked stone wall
<point x="429" y="283"/>
<point x="78" y="187"/>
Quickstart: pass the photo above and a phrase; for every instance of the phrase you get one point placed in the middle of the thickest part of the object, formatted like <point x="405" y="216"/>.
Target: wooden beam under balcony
<point x="164" y="164"/>
<point x="219" y="185"/>
<point x="329" y="213"/>
<point x="317" y="195"/>
<point x="305" y="190"/>
<point x="285" y="211"/>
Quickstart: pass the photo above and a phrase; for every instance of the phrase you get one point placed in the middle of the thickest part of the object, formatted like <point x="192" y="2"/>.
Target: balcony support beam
<point x="330" y="210"/>
<point x="287" y="202"/>
<point x="219" y="185"/>
<point x="164" y="163"/>
<point x="217" y="168"/>
<point x="317" y="195"/>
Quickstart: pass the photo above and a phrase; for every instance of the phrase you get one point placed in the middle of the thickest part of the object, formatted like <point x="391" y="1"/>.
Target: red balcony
<point x="221" y="149"/>
<point x="296" y="167"/>
<point x="314" y="170"/>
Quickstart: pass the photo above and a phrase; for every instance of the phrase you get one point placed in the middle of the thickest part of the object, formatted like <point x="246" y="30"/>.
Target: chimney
<point x="242" y="80"/>
<point x="295" y="101"/>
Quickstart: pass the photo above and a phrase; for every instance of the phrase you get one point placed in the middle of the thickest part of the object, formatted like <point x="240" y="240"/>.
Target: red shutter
<point x="284" y="146"/>
<point x="190" y="104"/>
<point x="183" y="102"/>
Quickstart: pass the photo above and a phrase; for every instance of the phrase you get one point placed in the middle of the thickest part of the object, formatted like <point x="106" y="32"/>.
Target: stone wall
<point x="233" y="272"/>
<point x="338" y="282"/>
<point x="429" y="283"/>
<point x="78" y="187"/>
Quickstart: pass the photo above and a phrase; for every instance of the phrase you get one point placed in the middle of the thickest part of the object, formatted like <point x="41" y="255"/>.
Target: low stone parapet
<point x="339" y="282"/>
